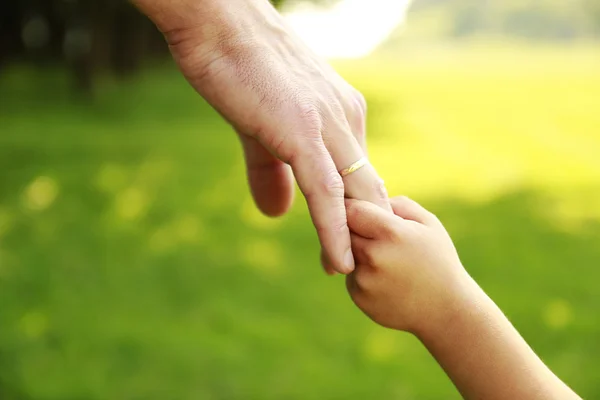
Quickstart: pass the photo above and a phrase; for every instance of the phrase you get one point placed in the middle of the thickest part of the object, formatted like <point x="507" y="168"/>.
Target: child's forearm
<point x="485" y="356"/>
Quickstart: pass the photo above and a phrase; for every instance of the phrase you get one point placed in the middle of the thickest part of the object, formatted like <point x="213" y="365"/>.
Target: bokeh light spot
<point x="111" y="178"/>
<point x="348" y="28"/>
<point x="189" y="229"/>
<point x="572" y="210"/>
<point x="36" y="32"/>
<point x="381" y="345"/>
<point x="131" y="204"/>
<point x="263" y="255"/>
<point x="41" y="193"/>
<point x="33" y="324"/>
<point x="558" y="314"/>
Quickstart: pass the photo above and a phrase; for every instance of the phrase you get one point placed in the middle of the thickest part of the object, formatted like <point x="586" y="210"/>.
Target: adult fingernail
<point x="349" y="261"/>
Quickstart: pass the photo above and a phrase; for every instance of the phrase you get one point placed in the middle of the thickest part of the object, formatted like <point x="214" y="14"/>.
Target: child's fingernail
<point x="349" y="261"/>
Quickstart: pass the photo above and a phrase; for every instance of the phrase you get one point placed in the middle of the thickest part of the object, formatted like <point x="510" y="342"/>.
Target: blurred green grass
<point x="133" y="264"/>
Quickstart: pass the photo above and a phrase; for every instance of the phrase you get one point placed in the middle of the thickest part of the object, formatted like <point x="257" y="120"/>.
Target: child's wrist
<point x="463" y="298"/>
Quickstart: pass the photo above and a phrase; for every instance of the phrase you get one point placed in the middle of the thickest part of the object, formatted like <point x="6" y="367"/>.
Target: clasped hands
<point x="298" y="119"/>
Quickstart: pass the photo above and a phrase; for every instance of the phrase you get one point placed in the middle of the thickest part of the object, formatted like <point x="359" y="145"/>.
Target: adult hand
<point x="294" y="114"/>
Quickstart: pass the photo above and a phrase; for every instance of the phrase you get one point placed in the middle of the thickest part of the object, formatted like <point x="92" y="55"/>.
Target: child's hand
<point x="408" y="275"/>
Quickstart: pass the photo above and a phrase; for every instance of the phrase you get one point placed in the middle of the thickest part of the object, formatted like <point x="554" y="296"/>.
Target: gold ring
<point x="354" y="167"/>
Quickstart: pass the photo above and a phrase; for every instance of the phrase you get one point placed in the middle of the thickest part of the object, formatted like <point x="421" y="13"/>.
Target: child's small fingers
<point x="409" y="209"/>
<point x="368" y="220"/>
<point x="360" y="249"/>
<point x="329" y="270"/>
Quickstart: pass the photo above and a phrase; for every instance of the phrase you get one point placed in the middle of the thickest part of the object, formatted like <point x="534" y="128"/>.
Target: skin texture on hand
<point x="295" y="116"/>
<point x="408" y="272"/>
<point x="409" y="277"/>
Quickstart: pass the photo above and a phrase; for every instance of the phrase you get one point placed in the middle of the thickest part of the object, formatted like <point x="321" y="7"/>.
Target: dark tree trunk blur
<point x="88" y="37"/>
<point x="130" y="42"/>
<point x="10" y="29"/>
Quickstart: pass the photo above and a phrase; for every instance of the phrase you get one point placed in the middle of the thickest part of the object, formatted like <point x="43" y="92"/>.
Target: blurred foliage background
<point x="133" y="264"/>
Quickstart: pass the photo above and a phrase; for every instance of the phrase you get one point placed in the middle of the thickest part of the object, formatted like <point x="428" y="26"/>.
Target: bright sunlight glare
<point x="349" y="28"/>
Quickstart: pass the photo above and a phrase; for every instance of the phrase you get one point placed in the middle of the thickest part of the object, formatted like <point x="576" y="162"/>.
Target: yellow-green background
<point x="133" y="264"/>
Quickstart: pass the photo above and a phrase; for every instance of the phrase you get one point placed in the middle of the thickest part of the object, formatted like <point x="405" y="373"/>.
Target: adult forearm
<point x="169" y="15"/>
<point x="200" y="32"/>
<point x="485" y="356"/>
<point x="213" y="16"/>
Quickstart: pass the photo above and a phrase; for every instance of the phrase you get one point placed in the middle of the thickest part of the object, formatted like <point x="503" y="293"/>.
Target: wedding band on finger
<point x="355" y="166"/>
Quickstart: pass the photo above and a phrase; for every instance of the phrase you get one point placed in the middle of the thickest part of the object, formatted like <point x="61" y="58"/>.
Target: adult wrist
<point x="208" y="18"/>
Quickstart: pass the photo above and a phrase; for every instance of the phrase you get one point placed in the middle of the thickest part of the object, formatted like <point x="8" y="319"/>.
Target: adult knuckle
<point x="330" y="184"/>
<point x="278" y="144"/>
<point x="336" y="107"/>
<point x="281" y="147"/>
<point x="310" y="117"/>
<point x="360" y="100"/>
<point x="333" y="184"/>
<point x="336" y="227"/>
